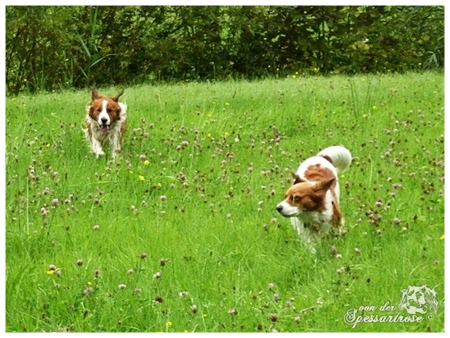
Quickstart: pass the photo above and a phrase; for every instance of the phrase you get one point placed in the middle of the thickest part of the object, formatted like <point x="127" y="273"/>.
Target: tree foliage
<point x="52" y="47"/>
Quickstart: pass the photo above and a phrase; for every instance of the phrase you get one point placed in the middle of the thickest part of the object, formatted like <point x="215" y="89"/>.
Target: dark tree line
<point x="54" y="47"/>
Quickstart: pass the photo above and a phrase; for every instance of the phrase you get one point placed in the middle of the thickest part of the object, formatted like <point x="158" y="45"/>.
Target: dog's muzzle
<point x="104" y="126"/>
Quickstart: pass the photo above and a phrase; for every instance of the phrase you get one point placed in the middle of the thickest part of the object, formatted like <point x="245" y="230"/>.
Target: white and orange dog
<point x="312" y="202"/>
<point x="105" y="123"/>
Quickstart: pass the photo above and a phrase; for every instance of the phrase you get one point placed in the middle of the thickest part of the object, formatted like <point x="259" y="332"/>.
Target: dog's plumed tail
<point x="339" y="156"/>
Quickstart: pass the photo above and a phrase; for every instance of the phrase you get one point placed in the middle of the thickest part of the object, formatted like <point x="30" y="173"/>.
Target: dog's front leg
<point x="97" y="147"/>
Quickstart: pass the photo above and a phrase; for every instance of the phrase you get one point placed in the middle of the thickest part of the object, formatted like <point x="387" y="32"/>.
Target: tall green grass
<point x="180" y="233"/>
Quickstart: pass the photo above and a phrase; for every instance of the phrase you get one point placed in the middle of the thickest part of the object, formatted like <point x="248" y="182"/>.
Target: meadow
<point x="180" y="232"/>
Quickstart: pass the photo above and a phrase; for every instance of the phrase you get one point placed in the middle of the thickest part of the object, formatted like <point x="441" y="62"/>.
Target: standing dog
<point x="313" y="201"/>
<point x="105" y="122"/>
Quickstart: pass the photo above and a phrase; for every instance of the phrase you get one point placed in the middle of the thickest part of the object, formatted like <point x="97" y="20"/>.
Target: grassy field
<point x="180" y="233"/>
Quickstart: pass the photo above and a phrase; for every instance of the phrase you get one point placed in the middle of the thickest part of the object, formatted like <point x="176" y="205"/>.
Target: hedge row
<point x="53" y="47"/>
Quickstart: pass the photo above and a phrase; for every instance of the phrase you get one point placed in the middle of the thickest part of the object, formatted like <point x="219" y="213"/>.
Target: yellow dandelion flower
<point x="226" y="134"/>
<point x="89" y="283"/>
<point x="141" y="178"/>
<point x="169" y="324"/>
<point x="227" y="104"/>
<point x="209" y="135"/>
<point x="50" y="272"/>
<point x="131" y="171"/>
<point x="146" y="162"/>
<point x="159" y="185"/>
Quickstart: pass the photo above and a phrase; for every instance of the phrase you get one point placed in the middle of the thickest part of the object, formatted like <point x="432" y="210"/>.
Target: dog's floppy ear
<point x="116" y="98"/>
<point x="95" y="94"/>
<point x="324" y="185"/>
<point x="297" y="178"/>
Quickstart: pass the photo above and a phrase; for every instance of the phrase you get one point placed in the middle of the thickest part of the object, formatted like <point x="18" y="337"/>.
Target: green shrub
<point x="48" y="48"/>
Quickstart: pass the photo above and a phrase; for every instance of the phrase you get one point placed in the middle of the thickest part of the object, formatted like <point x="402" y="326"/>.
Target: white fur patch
<point x="104" y="116"/>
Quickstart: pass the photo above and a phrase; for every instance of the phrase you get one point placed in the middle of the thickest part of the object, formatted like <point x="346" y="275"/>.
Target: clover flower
<point x="232" y="312"/>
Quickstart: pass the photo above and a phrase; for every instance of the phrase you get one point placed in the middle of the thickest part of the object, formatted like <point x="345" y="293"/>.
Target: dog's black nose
<point x="104" y="120"/>
<point x="279" y="208"/>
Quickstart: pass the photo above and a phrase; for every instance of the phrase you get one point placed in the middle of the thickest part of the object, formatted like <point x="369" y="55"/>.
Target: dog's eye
<point x="296" y="198"/>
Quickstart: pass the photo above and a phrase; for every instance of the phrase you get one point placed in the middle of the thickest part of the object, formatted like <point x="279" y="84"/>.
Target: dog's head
<point x="305" y="197"/>
<point x="106" y="111"/>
